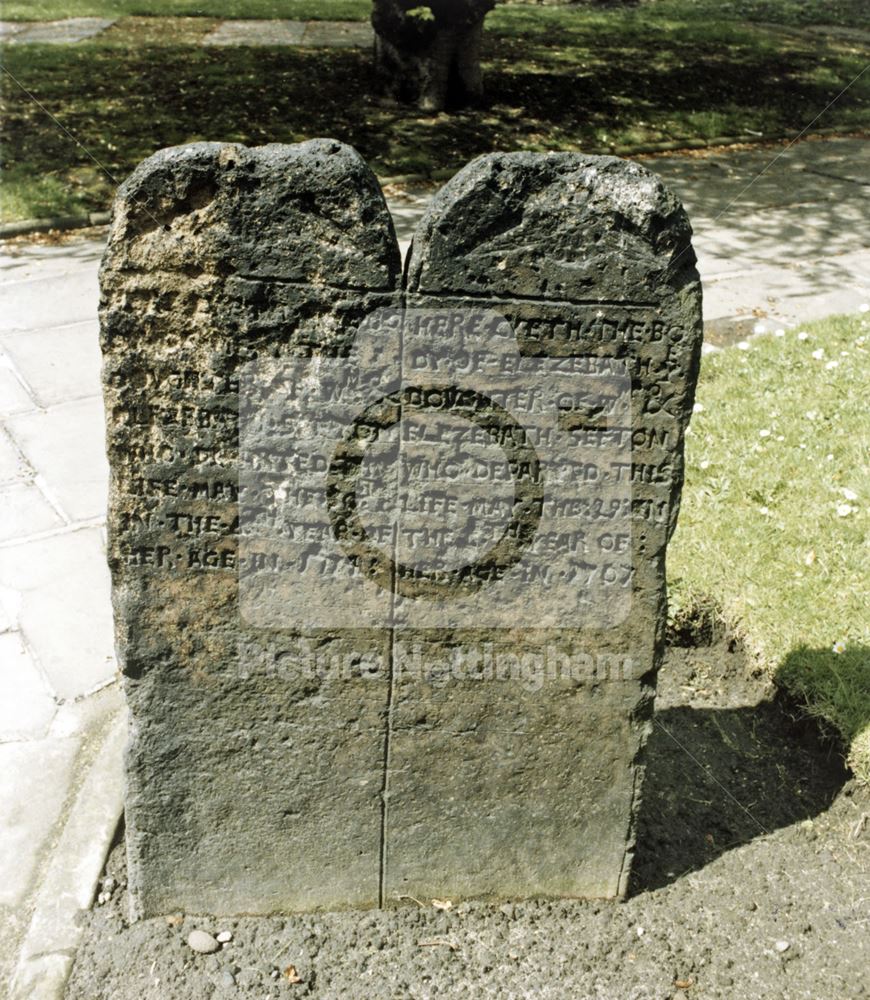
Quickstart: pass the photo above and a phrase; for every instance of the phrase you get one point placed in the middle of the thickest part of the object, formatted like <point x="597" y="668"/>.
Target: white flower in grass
<point x="759" y="328"/>
<point x="844" y="509"/>
<point x="832" y="364"/>
<point x="705" y="464"/>
<point x="764" y="433"/>
<point x="742" y="345"/>
<point x="839" y="646"/>
<point x="811" y="414"/>
<point x="780" y="332"/>
<point x="803" y="335"/>
<point x="819" y="354"/>
<point x="698" y="408"/>
<point x="849" y="494"/>
<point x="864" y="307"/>
<point x="764" y="510"/>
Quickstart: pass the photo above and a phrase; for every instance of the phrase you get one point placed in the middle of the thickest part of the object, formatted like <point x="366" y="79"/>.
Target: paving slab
<point x="12" y="464"/>
<point x="309" y="34"/>
<point x="14" y="398"/>
<point x="42" y="769"/>
<point x="789" y="296"/>
<point x="60" y="363"/>
<point x="65" y="32"/>
<point x="26" y="704"/>
<point x="339" y="34"/>
<point x="256" y="33"/>
<point x="25" y="511"/>
<point x="758" y="179"/>
<point x="26" y="261"/>
<point x="56" y="589"/>
<point x="6" y="619"/>
<point x="774" y="238"/>
<point x="70" y="880"/>
<point x="50" y="300"/>
<point x="66" y="445"/>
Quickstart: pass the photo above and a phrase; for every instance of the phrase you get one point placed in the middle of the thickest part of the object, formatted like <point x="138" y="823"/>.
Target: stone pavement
<point x="66" y="32"/>
<point x="310" y="34"/>
<point x="59" y="698"/>
<point x="793" y="246"/>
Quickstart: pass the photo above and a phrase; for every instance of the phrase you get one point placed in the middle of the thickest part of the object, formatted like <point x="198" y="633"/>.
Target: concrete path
<point x="310" y="34"/>
<point x="782" y="234"/>
<point x="66" y="32"/>
<point x="779" y="243"/>
<point x="59" y="698"/>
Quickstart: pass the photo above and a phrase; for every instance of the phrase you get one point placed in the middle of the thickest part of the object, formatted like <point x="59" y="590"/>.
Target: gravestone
<point x="388" y="567"/>
<point x="250" y="787"/>
<point x="533" y="789"/>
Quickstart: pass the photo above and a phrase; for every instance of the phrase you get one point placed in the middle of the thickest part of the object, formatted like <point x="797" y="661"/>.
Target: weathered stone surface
<point x="251" y="787"/>
<point x="507" y="789"/>
<point x="389" y="583"/>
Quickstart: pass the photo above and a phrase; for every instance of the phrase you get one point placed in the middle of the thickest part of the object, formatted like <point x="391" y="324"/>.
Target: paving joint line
<point x="67" y="529"/>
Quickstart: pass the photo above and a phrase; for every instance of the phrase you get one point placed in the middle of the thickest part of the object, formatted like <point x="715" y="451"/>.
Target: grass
<point x="557" y="78"/>
<point x="847" y="13"/>
<point x="775" y="510"/>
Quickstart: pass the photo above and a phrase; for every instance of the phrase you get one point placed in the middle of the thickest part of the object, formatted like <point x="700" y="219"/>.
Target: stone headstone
<point x="388" y="567"/>
<point x="250" y="787"/>
<point x="517" y="789"/>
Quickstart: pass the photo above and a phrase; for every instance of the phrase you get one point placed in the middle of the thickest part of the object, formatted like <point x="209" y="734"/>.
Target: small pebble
<point x="224" y="937"/>
<point x="202" y="942"/>
<point x="227" y="978"/>
<point x="782" y="946"/>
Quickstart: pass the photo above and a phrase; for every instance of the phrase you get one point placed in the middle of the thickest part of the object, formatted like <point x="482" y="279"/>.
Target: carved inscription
<point x="388" y="563"/>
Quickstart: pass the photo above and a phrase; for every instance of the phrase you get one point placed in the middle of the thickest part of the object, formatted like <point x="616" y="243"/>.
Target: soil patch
<point x="750" y="880"/>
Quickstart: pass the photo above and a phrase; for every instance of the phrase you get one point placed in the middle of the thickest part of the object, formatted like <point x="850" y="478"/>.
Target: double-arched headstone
<point x="388" y="553"/>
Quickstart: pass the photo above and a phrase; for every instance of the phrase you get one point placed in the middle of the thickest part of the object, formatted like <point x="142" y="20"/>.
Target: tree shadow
<point x="717" y="778"/>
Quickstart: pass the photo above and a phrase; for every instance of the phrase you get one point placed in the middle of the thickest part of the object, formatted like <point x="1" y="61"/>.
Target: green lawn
<point x="774" y="521"/>
<point x="851" y="13"/>
<point x="557" y="78"/>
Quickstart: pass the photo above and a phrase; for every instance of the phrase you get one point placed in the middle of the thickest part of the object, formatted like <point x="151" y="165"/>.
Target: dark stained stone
<point x="252" y="784"/>
<point x="512" y="789"/>
<point x="390" y="586"/>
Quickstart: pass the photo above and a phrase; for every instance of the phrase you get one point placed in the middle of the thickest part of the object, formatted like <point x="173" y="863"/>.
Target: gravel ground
<point x="750" y="881"/>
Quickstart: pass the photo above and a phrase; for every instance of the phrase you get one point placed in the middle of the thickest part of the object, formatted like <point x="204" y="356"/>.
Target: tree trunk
<point x="429" y="55"/>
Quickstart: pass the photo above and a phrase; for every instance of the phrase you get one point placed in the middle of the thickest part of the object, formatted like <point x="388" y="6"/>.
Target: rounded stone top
<point x="552" y="225"/>
<point x="310" y="212"/>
